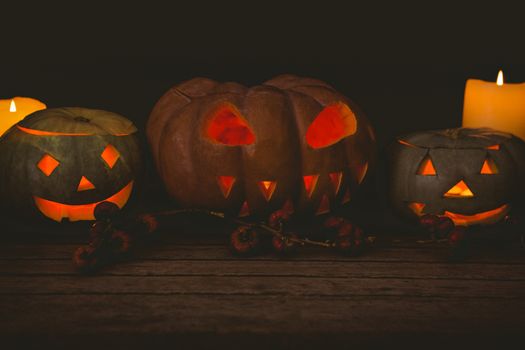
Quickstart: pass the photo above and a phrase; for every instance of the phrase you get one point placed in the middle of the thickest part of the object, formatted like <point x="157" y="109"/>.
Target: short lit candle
<point x="498" y="105"/>
<point x="14" y="109"/>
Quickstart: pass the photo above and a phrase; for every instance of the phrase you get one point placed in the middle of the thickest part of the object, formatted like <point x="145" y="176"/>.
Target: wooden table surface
<point x="192" y="293"/>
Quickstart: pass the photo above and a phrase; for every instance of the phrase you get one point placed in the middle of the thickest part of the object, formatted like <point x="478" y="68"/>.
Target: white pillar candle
<point x="496" y="105"/>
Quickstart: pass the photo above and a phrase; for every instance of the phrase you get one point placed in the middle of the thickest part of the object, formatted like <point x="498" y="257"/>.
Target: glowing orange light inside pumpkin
<point x="489" y="167"/>
<point x="486" y="217"/>
<point x="85" y="185"/>
<point x="324" y="206"/>
<point x="56" y="133"/>
<point x="48" y="133"/>
<point x="227" y="126"/>
<point x="225" y="184"/>
<point x="245" y="210"/>
<point x="310" y="181"/>
<point x="267" y="188"/>
<point x="493" y="147"/>
<point x="12" y="106"/>
<point x="426" y="167"/>
<point x="334" y="123"/>
<point x="58" y="211"/>
<point x="417" y="208"/>
<point x="361" y="172"/>
<point x="459" y="190"/>
<point x="110" y="155"/>
<point x="336" y="180"/>
<point x="405" y="143"/>
<point x="47" y="164"/>
<point x="347" y="197"/>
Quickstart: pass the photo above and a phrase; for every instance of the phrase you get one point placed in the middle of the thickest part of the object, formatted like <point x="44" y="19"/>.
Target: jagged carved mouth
<point x="489" y="216"/>
<point x="75" y="212"/>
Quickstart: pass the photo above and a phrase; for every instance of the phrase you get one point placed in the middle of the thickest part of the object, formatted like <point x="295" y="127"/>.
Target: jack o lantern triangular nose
<point x="267" y="189"/>
<point x="85" y="185"/>
<point x="459" y="190"/>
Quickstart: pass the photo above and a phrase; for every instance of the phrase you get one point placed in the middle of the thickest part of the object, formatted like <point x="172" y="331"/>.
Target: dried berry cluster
<point x="442" y="228"/>
<point x="111" y="237"/>
<point x="252" y="239"/>
<point x="114" y="236"/>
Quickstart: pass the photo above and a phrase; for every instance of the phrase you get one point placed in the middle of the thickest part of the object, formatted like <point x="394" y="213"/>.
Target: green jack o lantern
<point x="473" y="176"/>
<point x="292" y="141"/>
<point x="62" y="162"/>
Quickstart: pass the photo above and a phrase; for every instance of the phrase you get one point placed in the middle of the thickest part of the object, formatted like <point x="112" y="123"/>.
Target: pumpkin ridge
<point x="177" y="92"/>
<point x="278" y="113"/>
<point x="62" y="120"/>
<point x="159" y="118"/>
<point x="196" y="87"/>
<point x="464" y="189"/>
<point x="289" y="81"/>
<point x="291" y="103"/>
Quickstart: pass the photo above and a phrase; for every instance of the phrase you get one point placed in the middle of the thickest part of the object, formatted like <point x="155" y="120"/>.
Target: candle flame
<point x="12" y="106"/>
<point x="499" y="82"/>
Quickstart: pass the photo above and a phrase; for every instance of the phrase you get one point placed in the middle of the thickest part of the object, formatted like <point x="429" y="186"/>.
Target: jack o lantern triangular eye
<point x="110" y="155"/>
<point x="335" y="122"/>
<point x="47" y="164"/>
<point x="426" y="167"/>
<point x="227" y="126"/>
<point x="489" y="167"/>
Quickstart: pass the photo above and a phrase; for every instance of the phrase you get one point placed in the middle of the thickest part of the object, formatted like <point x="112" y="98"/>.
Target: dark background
<point x="406" y="66"/>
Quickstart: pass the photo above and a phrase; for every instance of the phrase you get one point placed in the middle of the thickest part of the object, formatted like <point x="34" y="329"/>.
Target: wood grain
<point x="195" y="294"/>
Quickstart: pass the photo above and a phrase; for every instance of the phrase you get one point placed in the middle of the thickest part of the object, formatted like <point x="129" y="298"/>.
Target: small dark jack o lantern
<point x="291" y="142"/>
<point x="62" y="162"/>
<point x="472" y="176"/>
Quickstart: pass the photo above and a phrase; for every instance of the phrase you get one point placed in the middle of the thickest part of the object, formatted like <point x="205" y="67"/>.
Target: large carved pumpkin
<point x="473" y="176"/>
<point x="62" y="162"/>
<point x="249" y="151"/>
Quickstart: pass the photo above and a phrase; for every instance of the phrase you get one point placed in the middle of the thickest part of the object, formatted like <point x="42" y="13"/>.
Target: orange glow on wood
<point x="228" y="127"/>
<point x="486" y="217"/>
<point x="225" y="184"/>
<point x="245" y="210"/>
<point x="110" y="155"/>
<point x="267" y="188"/>
<point x="85" y="185"/>
<point x="58" y="211"/>
<point x="334" y="123"/>
<point x="324" y="206"/>
<point x="493" y="147"/>
<point x="47" y="164"/>
<point x="459" y="190"/>
<point x="310" y="182"/>
<point x="15" y="109"/>
<point x="489" y="167"/>
<point x="427" y="167"/>
<point x="336" y="180"/>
